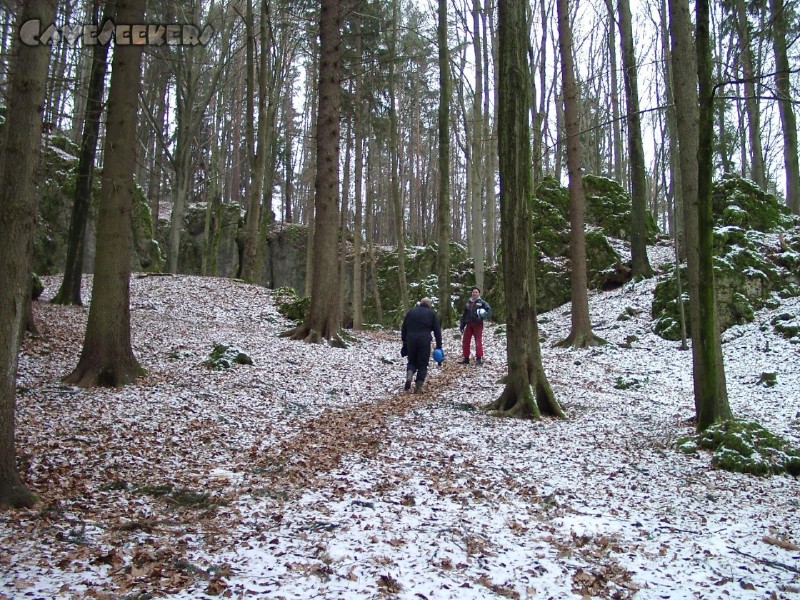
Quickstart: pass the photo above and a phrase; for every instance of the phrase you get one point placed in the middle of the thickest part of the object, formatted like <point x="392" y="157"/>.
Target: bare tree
<point x="107" y="357"/>
<point x="694" y="147"/>
<point x="757" y="172"/>
<point x="785" y="104"/>
<point x="581" y="334"/>
<point x="394" y="148"/>
<point x="19" y="151"/>
<point x="641" y="264"/>
<point x="527" y="393"/>
<point x="70" y="290"/>
<point x="443" y="223"/>
<point x="477" y="152"/>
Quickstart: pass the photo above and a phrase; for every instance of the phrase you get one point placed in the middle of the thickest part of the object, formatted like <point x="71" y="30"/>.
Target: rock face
<point x="756" y="262"/>
<point x="60" y="165"/>
<point x="212" y="242"/>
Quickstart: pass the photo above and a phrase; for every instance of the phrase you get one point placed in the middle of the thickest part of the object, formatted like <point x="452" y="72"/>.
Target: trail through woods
<point x="311" y="474"/>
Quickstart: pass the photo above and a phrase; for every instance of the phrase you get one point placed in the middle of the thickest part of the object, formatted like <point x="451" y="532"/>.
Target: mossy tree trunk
<point x="712" y="404"/>
<point x="581" y="334"/>
<point x="18" y="207"/>
<point x="107" y="358"/>
<point x="527" y="393"/>
<point x="708" y="377"/>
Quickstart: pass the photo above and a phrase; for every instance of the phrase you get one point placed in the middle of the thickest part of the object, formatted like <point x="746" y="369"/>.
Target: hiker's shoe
<point x="409" y="378"/>
<point x="407" y="386"/>
<point x="418" y="387"/>
<point x="464" y="361"/>
<point x="479" y="361"/>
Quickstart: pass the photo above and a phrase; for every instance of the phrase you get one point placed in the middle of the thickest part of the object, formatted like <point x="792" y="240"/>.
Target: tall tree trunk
<point x="476" y="154"/>
<point x="397" y="200"/>
<point x="581" y="334"/>
<point x="443" y="215"/>
<point x="370" y="227"/>
<point x="324" y="313"/>
<point x="358" y="219"/>
<point x="70" y="290"/>
<point x="527" y="393"/>
<point x="688" y="122"/>
<point x="751" y="98"/>
<point x="489" y="133"/>
<point x="616" y="134"/>
<point x="712" y="404"/>
<point x="791" y="163"/>
<point x="19" y="151"/>
<point x="288" y="128"/>
<point x="107" y="358"/>
<point x="259" y="154"/>
<point x="641" y="264"/>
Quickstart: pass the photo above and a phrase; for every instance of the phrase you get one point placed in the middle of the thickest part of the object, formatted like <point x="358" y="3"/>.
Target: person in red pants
<point x="476" y="310"/>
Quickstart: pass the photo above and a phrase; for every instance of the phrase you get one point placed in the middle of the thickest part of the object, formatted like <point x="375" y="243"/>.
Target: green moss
<point x="738" y="201"/>
<point x="745" y="447"/>
<point x="750" y="272"/>
<point x="224" y="357"/>
<point x="292" y="306"/>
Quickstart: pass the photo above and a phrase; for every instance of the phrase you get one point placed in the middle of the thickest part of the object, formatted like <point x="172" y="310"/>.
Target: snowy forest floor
<point x="310" y="474"/>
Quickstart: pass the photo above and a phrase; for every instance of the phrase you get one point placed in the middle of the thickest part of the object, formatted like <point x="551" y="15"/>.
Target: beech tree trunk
<point x="712" y="402"/>
<point x="18" y="207"/>
<point x="641" y="264"/>
<point x="791" y="162"/>
<point x="757" y="172"/>
<point x="691" y="154"/>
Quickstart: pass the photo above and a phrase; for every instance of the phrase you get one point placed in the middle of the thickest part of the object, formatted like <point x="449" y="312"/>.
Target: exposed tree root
<point x="581" y="340"/>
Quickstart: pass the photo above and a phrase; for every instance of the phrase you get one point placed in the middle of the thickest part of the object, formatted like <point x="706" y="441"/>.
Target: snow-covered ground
<point x="310" y="474"/>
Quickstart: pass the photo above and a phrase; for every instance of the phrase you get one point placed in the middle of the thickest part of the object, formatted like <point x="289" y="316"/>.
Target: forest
<point x="546" y="152"/>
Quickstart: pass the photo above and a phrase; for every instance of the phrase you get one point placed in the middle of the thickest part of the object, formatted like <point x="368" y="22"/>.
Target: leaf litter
<point x="311" y="474"/>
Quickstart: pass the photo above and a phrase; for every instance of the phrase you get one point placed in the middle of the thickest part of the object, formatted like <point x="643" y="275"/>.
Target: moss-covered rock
<point x="753" y="268"/>
<point x="608" y="206"/>
<point x="292" y="306"/>
<point x="420" y="267"/>
<point x="744" y="447"/>
<point x="787" y="325"/>
<point x="740" y="202"/>
<point x="551" y="236"/>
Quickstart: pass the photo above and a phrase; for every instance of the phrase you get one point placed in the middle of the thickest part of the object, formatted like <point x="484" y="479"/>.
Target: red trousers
<point x="473" y="330"/>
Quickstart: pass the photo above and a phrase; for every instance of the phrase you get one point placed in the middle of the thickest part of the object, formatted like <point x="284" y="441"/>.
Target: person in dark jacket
<point x="476" y="310"/>
<point x="418" y="325"/>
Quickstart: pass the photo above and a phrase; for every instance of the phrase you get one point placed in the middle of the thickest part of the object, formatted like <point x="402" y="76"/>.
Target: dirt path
<point x="305" y="460"/>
